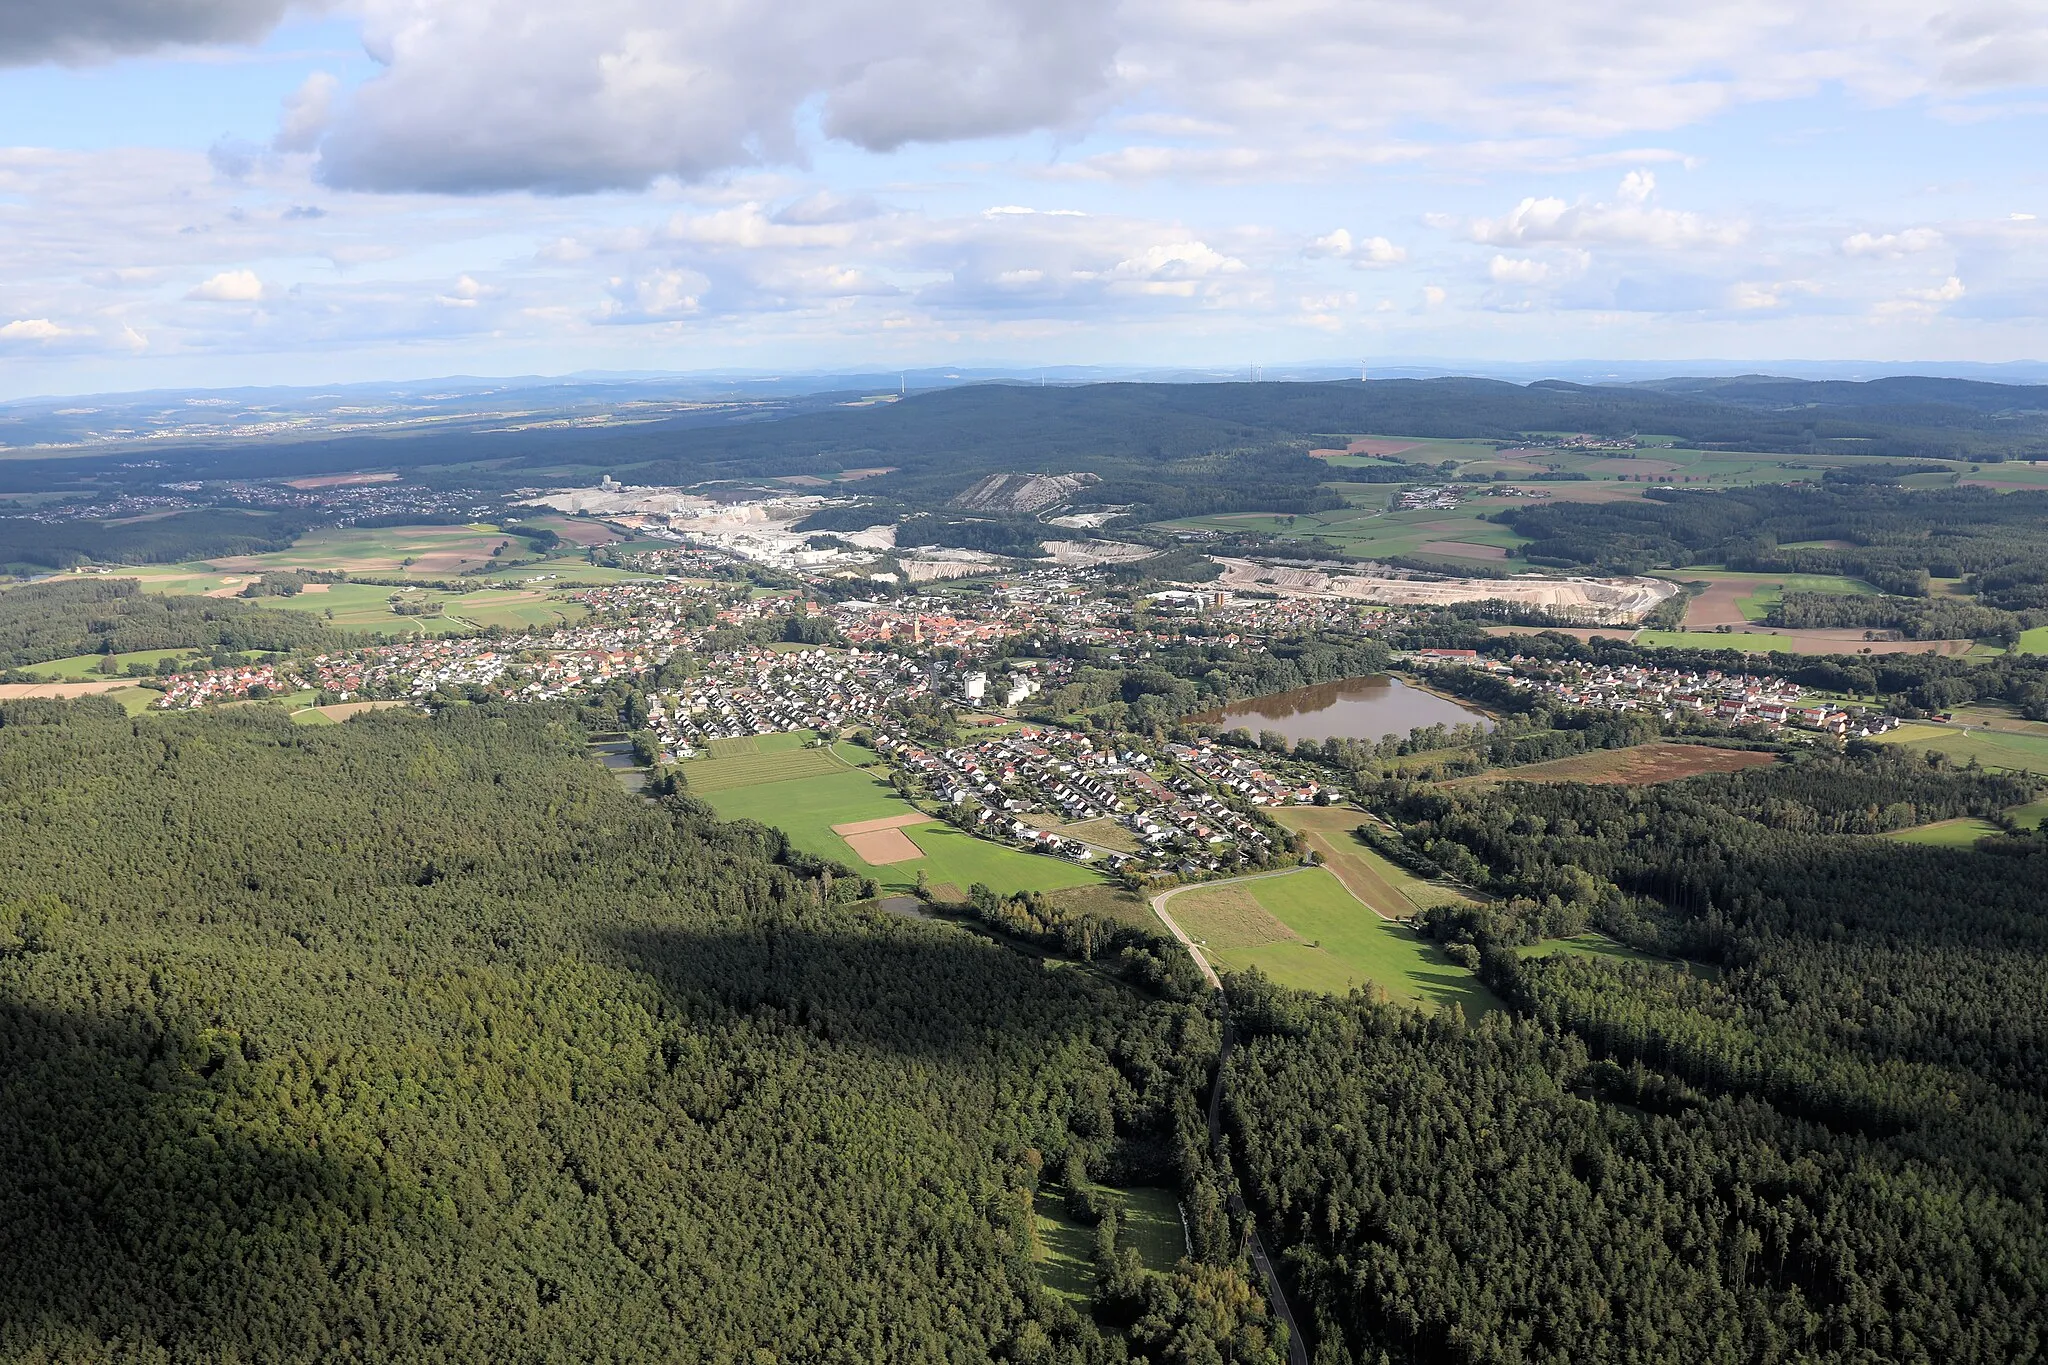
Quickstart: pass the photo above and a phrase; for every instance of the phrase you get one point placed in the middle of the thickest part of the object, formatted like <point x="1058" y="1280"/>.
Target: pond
<point x="617" y="755"/>
<point x="1351" y="708"/>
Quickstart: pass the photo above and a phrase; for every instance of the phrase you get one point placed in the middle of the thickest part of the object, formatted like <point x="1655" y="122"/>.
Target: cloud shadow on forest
<point x="133" y="1210"/>
<point x="926" y="991"/>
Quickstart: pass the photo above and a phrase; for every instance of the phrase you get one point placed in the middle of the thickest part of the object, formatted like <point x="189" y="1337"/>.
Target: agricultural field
<point x="806" y="807"/>
<point x="86" y="667"/>
<point x="368" y="607"/>
<point x="427" y="551"/>
<point x="1638" y="766"/>
<point x="1304" y="930"/>
<point x="725" y="773"/>
<point x="1736" y="599"/>
<point x="1750" y="642"/>
<point x="1991" y="748"/>
<point x="2033" y="641"/>
<point x="1460" y="536"/>
<point x="1388" y="889"/>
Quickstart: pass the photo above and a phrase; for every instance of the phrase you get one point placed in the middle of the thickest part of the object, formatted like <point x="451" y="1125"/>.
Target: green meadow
<point x="805" y="808"/>
<point x="1331" y="943"/>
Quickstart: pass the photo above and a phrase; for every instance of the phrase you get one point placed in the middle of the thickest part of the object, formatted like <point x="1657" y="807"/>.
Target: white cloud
<point x="1923" y="302"/>
<point x="230" y="286"/>
<point x="1364" y="253"/>
<point x="1891" y="245"/>
<point x="307" y="112"/>
<point x="487" y="95"/>
<point x="37" y="330"/>
<point x="1514" y="270"/>
<point x="1632" y="222"/>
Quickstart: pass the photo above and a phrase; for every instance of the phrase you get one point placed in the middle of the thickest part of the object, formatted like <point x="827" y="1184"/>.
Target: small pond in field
<point x="1350" y="708"/>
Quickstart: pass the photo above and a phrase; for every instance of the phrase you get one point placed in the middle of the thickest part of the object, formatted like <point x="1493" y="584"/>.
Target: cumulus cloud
<point x="230" y="286"/>
<point x="1632" y="221"/>
<point x="31" y="330"/>
<point x="1365" y="252"/>
<point x="485" y="95"/>
<point x="491" y="95"/>
<point x="655" y="296"/>
<point x="1891" y="245"/>
<point x="1517" y="270"/>
<point x="94" y="30"/>
<point x="1923" y="302"/>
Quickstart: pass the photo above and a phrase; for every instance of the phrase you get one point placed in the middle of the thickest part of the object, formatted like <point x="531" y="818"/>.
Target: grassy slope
<point x="1343" y="944"/>
<point x="1992" y="749"/>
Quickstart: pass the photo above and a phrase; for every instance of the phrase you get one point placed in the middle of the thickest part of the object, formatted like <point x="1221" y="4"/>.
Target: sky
<point x="225" y="192"/>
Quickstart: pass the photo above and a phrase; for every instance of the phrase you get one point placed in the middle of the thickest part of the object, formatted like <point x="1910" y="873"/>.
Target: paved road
<point x="1297" y="1350"/>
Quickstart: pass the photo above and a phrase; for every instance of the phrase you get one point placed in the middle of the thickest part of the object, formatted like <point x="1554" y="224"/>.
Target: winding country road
<point x="1297" y="1350"/>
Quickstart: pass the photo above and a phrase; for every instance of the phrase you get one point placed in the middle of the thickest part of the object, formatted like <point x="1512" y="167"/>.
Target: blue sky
<point x="211" y="192"/>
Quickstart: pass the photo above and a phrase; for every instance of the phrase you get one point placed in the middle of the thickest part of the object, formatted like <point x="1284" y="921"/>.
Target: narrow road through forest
<point x="1297" y="1350"/>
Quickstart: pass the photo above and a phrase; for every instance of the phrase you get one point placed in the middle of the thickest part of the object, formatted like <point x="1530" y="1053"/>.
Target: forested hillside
<point x="418" y="1039"/>
<point x="1161" y="434"/>
<point x="1826" y="1141"/>
<point x="28" y="544"/>
<point x="58" y="620"/>
<point x="1894" y="537"/>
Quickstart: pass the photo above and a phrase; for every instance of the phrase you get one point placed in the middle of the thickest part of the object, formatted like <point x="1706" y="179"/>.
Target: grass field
<point x="1587" y="945"/>
<point x="1111" y="902"/>
<point x="86" y="667"/>
<point x="1332" y="943"/>
<point x="1946" y="833"/>
<point x="806" y="808"/>
<point x="728" y="772"/>
<point x="1152" y="1225"/>
<point x="1386" y="887"/>
<point x="1065" y="1246"/>
<point x="1753" y="642"/>
<point x="1992" y="749"/>
<point x="1643" y="764"/>
<point x="367" y="607"/>
<point x="1103" y="833"/>
<point x="433" y="551"/>
<point x="2033" y="641"/>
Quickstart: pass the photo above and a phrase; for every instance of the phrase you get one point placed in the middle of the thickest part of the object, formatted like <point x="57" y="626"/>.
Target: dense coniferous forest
<point x="1828" y="1141"/>
<point x="30" y="544"/>
<point x="1896" y="538"/>
<point x="419" y="1039"/>
<point x="43" y="621"/>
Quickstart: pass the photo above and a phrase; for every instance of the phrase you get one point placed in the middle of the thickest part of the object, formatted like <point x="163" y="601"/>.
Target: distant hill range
<point x="939" y="443"/>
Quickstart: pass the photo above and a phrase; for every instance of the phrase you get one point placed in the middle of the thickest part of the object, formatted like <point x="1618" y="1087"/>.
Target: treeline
<point x="1908" y="684"/>
<point x="1183" y="679"/>
<point x="30" y="545"/>
<point x="1893" y="537"/>
<point x="418" y="1039"/>
<point x="44" y="621"/>
<point x="1152" y="960"/>
<point x="1916" y="618"/>
<point x="1018" y="537"/>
